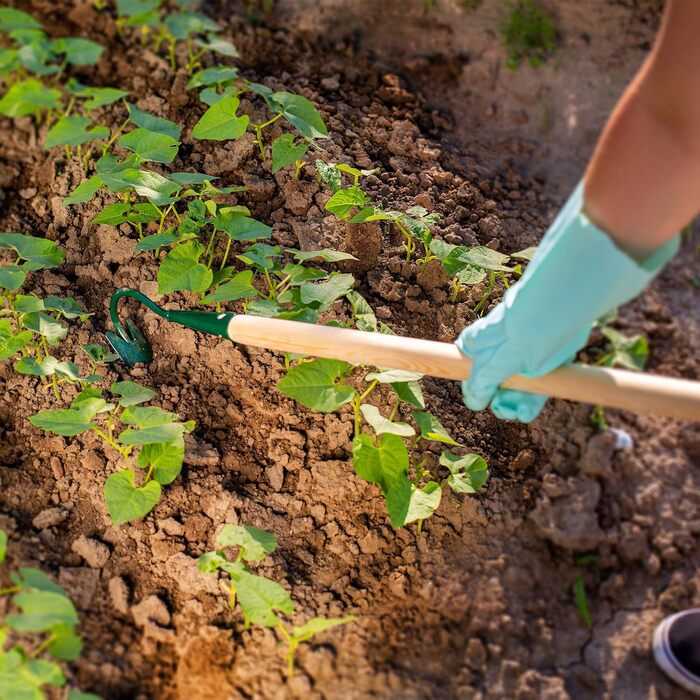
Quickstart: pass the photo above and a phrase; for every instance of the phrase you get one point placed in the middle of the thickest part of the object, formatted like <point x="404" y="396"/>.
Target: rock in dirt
<point x="364" y="241"/>
<point x="150" y="610"/>
<point x="49" y="517"/>
<point x="536" y="686"/>
<point x="597" y="458"/>
<point x="185" y="572"/>
<point x="200" y="454"/>
<point x="93" y="552"/>
<point x="80" y="583"/>
<point x="571" y="521"/>
<point x="432" y="275"/>
<point x="119" y="594"/>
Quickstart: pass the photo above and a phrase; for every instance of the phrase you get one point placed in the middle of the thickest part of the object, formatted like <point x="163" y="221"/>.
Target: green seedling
<point x="261" y="599"/>
<point x="158" y="434"/>
<point x="392" y="454"/>
<point x="628" y="352"/>
<point x="579" y="588"/>
<point x="39" y="632"/>
<point x="528" y="33"/>
<point x="31" y="326"/>
<point x="163" y="30"/>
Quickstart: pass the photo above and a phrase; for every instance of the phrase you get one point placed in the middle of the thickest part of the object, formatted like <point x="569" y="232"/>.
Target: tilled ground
<point x="479" y="603"/>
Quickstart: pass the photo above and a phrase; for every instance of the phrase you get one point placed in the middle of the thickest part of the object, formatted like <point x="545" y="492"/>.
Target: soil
<point x="479" y="603"/>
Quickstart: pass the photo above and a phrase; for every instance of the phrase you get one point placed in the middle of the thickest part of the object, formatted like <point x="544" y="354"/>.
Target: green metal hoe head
<point x="128" y="341"/>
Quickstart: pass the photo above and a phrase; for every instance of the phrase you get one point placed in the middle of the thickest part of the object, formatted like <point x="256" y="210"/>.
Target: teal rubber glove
<point x="576" y="277"/>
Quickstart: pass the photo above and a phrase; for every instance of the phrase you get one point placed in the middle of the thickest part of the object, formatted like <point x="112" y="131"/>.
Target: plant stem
<point x="123" y="451"/>
<point x="10" y="590"/>
<point x="226" y="252"/>
<point x="44" y="645"/>
<point x="114" y="136"/>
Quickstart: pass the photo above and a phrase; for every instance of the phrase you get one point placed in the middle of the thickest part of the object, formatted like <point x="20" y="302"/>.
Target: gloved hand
<point x="577" y="276"/>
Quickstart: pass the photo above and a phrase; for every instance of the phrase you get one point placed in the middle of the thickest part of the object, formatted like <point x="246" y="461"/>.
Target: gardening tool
<point x="639" y="393"/>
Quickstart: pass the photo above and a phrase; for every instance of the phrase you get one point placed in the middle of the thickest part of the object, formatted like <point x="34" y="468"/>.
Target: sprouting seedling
<point x="158" y="433"/>
<point x="261" y="599"/>
<point x="34" y="64"/>
<point x="528" y="32"/>
<point x="629" y="352"/>
<point x="46" y="621"/>
<point x="390" y="454"/>
<point x="30" y="326"/>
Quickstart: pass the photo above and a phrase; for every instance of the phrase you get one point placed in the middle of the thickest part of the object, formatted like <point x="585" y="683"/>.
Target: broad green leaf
<point x="321" y="295"/>
<point x="254" y="542"/>
<point x="156" y="188"/>
<point x="39" y="253"/>
<point x="66" y="644"/>
<point x="29" y="97"/>
<point x="194" y="179"/>
<point x="64" y="421"/>
<point x="526" y="254"/>
<point x="25" y="304"/>
<point x="327" y="255"/>
<point x="183" y="25"/>
<point x="131" y="393"/>
<point x="220" y="122"/>
<point x="146" y="416"/>
<point x="41" y="610"/>
<point x="299" y="111"/>
<point x="484" y="257"/>
<point x="470" y="275"/>
<point x="316" y="385"/>
<point x="298" y="274"/>
<point x="150" y="145"/>
<point x="468" y="473"/>
<point x="383" y="463"/>
<point x="260" y="597"/>
<point x="113" y="214"/>
<point x="211" y="561"/>
<point x="150" y="122"/>
<point x="73" y="131"/>
<point x="157" y="240"/>
<point x="29" y="365"/>
<point x="262" y="256"/>
<point x="240" y="286"/>
<point x="11" y="343"/>
<point x="79" y="52"/>
<point x="317" y="625"/>
<point x="125" y="501"/>
<point x="130" y="8"/>
<point x="11" y="277"/>
<point x="11" y="20"/>
<point x="240" y="227"/>
<point x="181" y="270"/>
<point x="423" y="502"/>
<point x="630" y="352"/>
<point x="365" y="319"/>
<point x="344" y="201"/>
<point x="98" y="354"/>
<point x="264" y="308"/>
<point x="284" y="152"/>
<point x="29" y="578"/>
<point x="47" y="326"/>
<point x="23" y="679"/>
<point x="329" y="174"/>
<point x="85" y="191"/>
<point x="212" y="76"/>
<point x="67" y="307"/>
<point x="210" y="96"/>
<point x="410" y="392"/>
<point x="166" y="459"/>
<point x="220" y="46"/>
<point x="101" y="96"/>
<point x="382" y="425"/>
<point x="3" y="545"/>
<point x="431" y="428"/>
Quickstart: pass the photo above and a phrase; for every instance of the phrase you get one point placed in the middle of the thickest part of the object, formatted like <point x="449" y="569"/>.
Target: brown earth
<point x="479" y="603"/>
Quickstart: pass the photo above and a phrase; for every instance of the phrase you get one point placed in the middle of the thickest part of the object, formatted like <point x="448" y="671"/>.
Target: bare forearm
<point x="643" y="182"/>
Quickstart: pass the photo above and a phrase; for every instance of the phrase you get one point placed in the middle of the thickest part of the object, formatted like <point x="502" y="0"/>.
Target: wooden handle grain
<point x="639" y="393"/>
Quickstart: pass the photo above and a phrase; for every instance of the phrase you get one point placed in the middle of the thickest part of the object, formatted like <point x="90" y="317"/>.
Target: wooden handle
<point x="639" y="393"/>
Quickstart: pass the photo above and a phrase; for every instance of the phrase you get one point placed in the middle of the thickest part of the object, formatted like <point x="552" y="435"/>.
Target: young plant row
<point x="36" y="636"/>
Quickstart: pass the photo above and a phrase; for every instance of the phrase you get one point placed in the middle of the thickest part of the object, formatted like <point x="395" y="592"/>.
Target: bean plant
<point x="32" y="66"/>
<point x="158" y="434"/>
<point x="36" y="636"/>
<point x="394" y="454"/>
<point x="30" y="325"/>
<point x="261" y="599"/>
